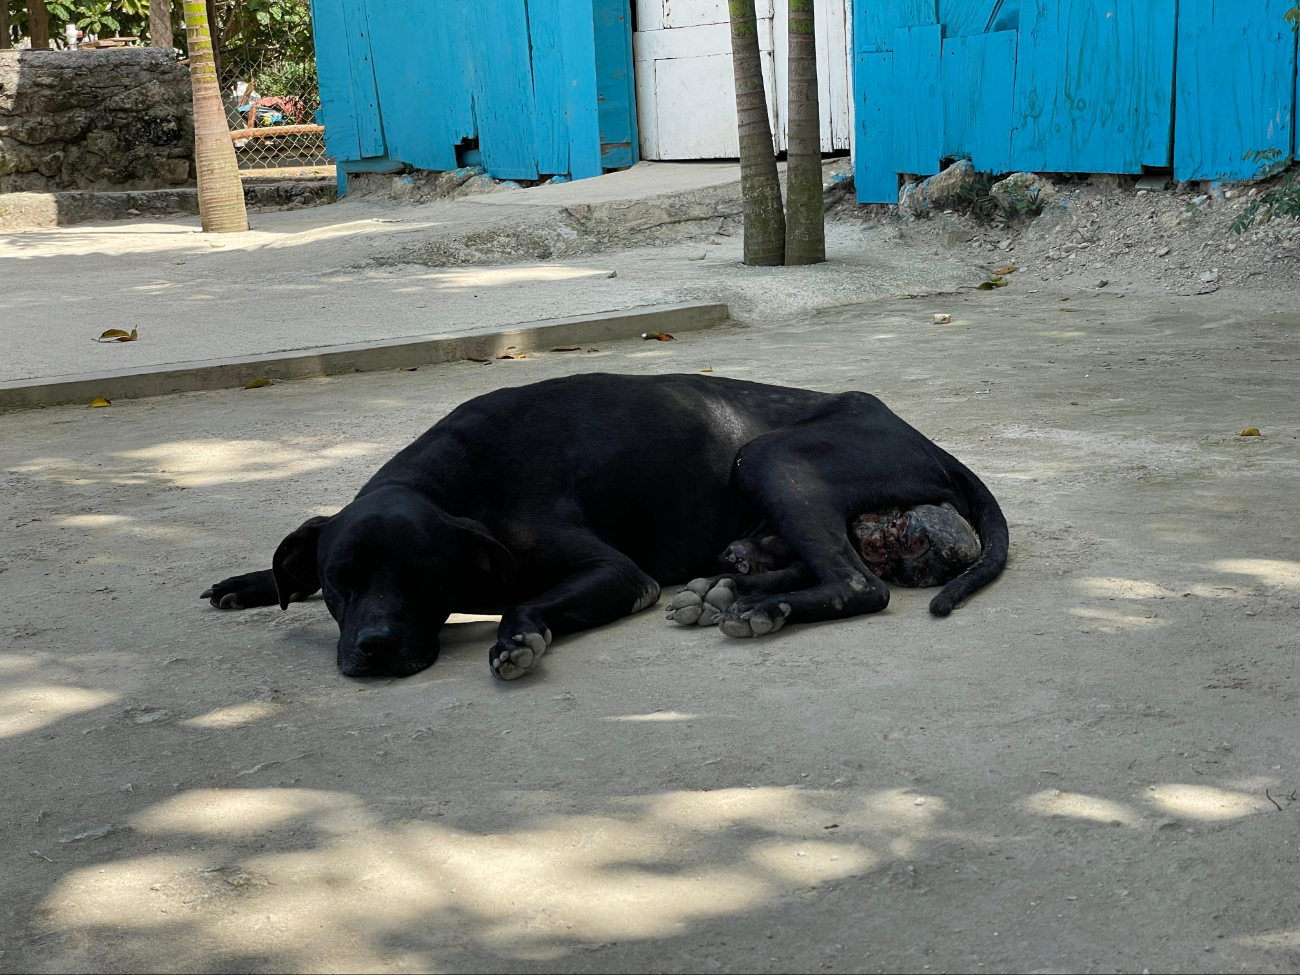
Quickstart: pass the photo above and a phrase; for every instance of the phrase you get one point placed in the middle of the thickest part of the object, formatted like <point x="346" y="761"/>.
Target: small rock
<point x="919" y="801"/>
<point x="87" y="831"/>
<point x="1069" y="248"/>
<point x="127" y="788"/>
<point x="1210" y="276"/>
<point x="697" y="257"/>
<point x="612" y="274"/>
<point x="1005" y="244"/>
<point x="146" y="715"/>
<point x="942" y="319"/>
<point x="1169" y="824"/>
<point x="133" y="212"/>
<point x="1054" y="256"/>
<point x="1153" y="183"/>
<point x="1270" y="257"/>
<point x="1163" y="251"/>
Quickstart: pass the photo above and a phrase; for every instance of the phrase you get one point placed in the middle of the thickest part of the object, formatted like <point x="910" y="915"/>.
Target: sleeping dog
<point x="562" y="505"/>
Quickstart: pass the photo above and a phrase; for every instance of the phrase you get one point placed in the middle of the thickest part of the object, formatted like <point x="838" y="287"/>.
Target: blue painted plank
<point x="615" y="85"/>
<point x="334" y="74"/>
<point x="370" y="132"/>
<point x="961" y="18"/>
<point x="874" y="176"/>
<point x="548" y="27"/>
<point x="1236" y="98"/>
<point x="502" y="86"/>
<point x="1094" y="85"/>
<point x="874" y="21"/>
<point x="918" y="127"/>
<point x="583" y="111"/>
<point x="423" y="103"/>
<point x="978" y="74"/>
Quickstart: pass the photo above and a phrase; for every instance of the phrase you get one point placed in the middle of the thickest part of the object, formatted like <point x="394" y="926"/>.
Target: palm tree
<point x="759" y="186"/>
<point x="5" y="43"/>
<point x="805" y="223"/>
<point x="221" y="195"/>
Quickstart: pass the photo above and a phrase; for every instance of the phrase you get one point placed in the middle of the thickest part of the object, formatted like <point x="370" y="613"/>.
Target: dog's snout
<point x="375" y="640"/>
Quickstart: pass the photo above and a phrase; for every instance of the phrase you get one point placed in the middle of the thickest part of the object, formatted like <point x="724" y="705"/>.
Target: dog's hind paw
<point x="702" y="601"/>
<point x="515" y="657"/>
<point x="746" y="619"/>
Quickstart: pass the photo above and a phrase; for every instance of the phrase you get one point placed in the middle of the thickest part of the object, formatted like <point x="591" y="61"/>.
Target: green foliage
<point x="290" y="79"/>
<point x="975" y="194"/>
<point x="255" y="30"/>
<point x="1283" y="200"/>
<point x="1293" y="18"/>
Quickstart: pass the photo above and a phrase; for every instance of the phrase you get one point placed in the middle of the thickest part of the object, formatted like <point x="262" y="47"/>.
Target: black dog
<point x="559" y="505"/>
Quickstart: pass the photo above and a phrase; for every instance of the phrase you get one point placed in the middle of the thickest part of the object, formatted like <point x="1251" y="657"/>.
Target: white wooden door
<point x="685" y="89"/>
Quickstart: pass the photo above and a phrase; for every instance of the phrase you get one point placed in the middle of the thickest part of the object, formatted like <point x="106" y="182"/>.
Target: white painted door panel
<point x="686" y="90"/>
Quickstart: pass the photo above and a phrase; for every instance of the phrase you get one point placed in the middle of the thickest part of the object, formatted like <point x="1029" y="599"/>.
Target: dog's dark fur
<point x="561" y="504"/>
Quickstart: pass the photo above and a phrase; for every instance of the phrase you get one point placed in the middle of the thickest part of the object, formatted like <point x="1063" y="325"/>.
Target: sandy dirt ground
<point x="1092" y="766"/>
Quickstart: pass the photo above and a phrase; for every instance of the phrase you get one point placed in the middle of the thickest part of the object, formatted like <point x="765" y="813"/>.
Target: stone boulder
<point x="1022" y="193"/>
<point x="940" y="192"/>
<point x="94" y="120"/>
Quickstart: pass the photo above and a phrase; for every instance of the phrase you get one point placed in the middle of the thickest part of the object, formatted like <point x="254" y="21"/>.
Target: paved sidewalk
<point x="341" y="274"/>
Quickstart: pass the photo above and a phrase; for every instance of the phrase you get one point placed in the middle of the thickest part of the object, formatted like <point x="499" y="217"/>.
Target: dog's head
<point x="391" y="565"/>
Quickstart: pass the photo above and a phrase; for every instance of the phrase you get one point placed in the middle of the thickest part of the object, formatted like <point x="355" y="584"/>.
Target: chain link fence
<point x="271" y="98"/>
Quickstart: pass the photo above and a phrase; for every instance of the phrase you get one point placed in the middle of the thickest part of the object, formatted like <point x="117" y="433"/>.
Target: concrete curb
<point x="42" y="211"/>
<point x="335" y="360"/>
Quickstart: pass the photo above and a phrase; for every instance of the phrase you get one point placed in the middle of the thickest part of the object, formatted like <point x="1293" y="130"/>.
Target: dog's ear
<point x="294" y="565"/>
<point x="488" y="565"/>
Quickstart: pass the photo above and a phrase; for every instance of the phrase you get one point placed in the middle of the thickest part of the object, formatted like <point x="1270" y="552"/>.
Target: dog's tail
<point x="992" y="528"/>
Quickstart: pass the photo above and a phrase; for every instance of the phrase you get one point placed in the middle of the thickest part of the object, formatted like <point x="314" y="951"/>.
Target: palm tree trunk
<point x="38" y="25"/>
<point x="160" y="24"/>
<point x="760" y="187"/>
<point x="221" y="195"/>
<point x="805" y="223"/>
<point x="5" y="42"/>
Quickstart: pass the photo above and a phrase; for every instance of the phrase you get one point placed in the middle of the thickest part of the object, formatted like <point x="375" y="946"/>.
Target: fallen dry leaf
<point x="1250" y="432"/>
<point x="513" y="355"/>
<point x="99" y="401"/>
<point x="658" y="336"/>
<point x="593" y="349"/>
<point x="257" y="383"/>
<point x="408" y="368"/>
<point x="1009" y="269"/>
<point x="567" y="348"/>
<point x="707" y="369"/>
<point x="118" y="335"/>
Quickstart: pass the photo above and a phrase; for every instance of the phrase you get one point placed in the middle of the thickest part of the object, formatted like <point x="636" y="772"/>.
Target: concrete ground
<point x="1092" y="766"/>
<point x="369" y="268"/>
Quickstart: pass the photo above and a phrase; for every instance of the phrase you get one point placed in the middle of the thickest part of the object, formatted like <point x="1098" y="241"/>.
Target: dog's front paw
<point x="516" y="656"/>
<point x="243" y="592"/>
<point x="746" y="619"/>
<point x="702" y="601"/>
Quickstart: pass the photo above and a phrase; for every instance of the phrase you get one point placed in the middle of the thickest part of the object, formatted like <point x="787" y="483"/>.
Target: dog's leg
<point x="243" y="592"/>
<point x="839" y="585"/>
<point x="762" y="553"/>
<point x="702" y="601"/>
<point x="609" y="586"/>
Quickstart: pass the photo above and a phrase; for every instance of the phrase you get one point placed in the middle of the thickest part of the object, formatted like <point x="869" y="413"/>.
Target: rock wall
<point x="94" y="120"/>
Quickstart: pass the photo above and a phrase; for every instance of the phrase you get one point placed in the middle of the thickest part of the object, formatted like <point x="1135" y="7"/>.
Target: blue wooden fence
<point x="536" y="88"/>
<point x="1207" y="87"/>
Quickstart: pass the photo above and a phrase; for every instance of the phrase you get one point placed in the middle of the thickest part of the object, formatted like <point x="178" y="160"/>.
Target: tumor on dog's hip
<point x="926" y="545"/>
